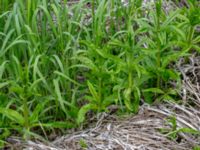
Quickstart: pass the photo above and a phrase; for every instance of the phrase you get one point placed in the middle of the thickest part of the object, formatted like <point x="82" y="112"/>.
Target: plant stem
<point x="190" y="35"/>
<point x="100" y="94"/>
<point x="25" y="113"/>
<point x="112" y="15"/>
<point x="93" y="19"/>
<point x="158" y="11"/>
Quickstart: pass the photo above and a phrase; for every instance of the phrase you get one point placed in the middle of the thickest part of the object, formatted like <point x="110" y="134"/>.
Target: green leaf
<point x="189" y="130"/>
<point x="179" y="32"/>
<point x="93" y="92"/>
<point x="82" y="112"/>
<point x="59" y="95"/>
<point x="196" y="148"/>
<point x="171" y="17"/>
<point x="2" y="68"/>
<point x="57" y="124"/>
<point x="4" y="84"/>
<point x="66" y="77"/>
<point x="88" y="62"/>
<point x="136" y="102"/>
<point x="37" y="111"/>
<point x="127" y="99"/>
<point x="169" y="74"/>
<point x="12" y="115"/>
<point x="172" y="58"/>
<point x="154" y="90"/>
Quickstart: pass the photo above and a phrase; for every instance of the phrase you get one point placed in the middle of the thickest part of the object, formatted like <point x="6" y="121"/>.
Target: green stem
<point x="130" y="80"/>
<point x="28" y="10"/>
<point x="190" y="35"/>
<point x="25" y="99"/>
<point x="93" y="18"/>
<point x="158" y="65"/>
<point x="130" y="77"/>
<point x="100" y="94"/>
<point x="112" y="15"/>
<point x="158" y="11"/>
<point x="26" y="113"/>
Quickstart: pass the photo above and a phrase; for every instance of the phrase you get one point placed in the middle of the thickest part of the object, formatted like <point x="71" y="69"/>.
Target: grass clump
<point x="60" y="61"/>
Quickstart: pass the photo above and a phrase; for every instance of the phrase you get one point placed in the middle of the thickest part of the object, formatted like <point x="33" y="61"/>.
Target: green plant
<point x="59" y="61"/>
<point x="83" y="144"/>
<point x="196" y="148"/>
<point x="35" y="74"/>
<point x="160" y="52"/>
<point x="173" y="134"/>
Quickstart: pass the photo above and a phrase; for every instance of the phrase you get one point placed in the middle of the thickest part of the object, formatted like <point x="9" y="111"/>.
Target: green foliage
<point x="196" y="148"/>
<point x="59" y="62"/>
<point x="174" y="131"/>
<point x="83" y="144"/>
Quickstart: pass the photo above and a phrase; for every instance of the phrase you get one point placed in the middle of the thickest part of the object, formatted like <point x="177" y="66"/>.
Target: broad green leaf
<point x="57" y="124"/>
<point x="4" y="84"/>
<point x="66" y="77"/>
<point x="170" y="17"/>
<point x="59" y="96"/>
<point x="2" y="68"/>
<point x="12" y="115"/>
<point x="34" y="117"/>
<point x="127" y="99"/>
<point x="154" y="90"/>
<point x="82" y="112"/>
<point x="93" y="92"/>
<point x="136" y="101"/>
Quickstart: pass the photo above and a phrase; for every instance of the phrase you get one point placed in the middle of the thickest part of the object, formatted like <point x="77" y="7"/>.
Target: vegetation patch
<point x="63" y="62"/>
